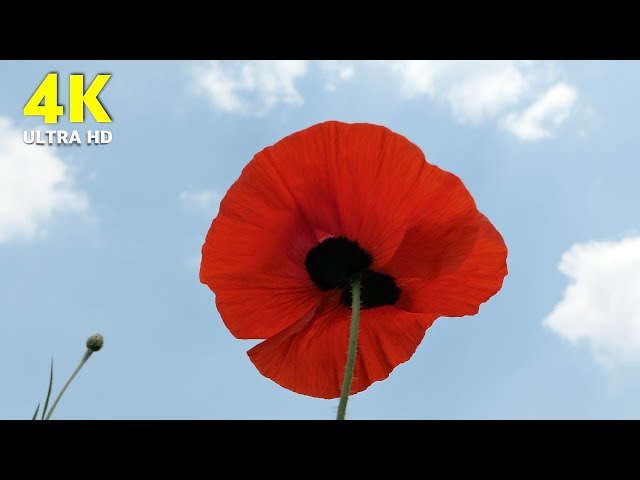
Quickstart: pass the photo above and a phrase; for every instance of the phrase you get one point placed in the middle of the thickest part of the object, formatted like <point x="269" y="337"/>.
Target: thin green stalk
<point x="46" y="403"/>
<point x="353" y="347"/>
<point x="86" y="356"/>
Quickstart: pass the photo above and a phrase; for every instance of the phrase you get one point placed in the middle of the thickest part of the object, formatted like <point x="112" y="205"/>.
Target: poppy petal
<point x="419" y="229"/>
<point x="461" y="292"/>
<point x="253" y="257"/>
<point x="442" y="230"/>
<point x="273" y="215"/>
<point x="259" y="311"/>
<point x="309" y="357"/>
<point x="350" y="180"/>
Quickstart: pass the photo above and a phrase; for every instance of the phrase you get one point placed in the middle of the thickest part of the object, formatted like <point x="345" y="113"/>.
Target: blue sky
<point x="107" y="238"/>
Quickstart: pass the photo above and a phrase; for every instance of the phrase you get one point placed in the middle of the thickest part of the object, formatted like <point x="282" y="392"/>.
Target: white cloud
<point x="526" y="98"/>
<point x="601" y="305"/>
<point x="336" y="71"/>
<point x="250" y="87"/>
<point x="34" y="183"/>
<point x="475" y="90"/>
<point x="550" y="110"/>
<point x="480" y="90"/>
<point x="204" y="200"/>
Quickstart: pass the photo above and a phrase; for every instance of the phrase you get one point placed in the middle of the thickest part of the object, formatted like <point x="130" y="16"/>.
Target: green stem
<point x="86" y="356"/>
<point x="353" y="347"/>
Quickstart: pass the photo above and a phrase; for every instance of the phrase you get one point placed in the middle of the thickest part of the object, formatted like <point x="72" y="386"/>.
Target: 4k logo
<point x="44" y="101"/>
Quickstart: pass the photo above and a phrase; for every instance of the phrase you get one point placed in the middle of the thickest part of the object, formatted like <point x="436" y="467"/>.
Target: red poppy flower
<point x="322" y="205"/>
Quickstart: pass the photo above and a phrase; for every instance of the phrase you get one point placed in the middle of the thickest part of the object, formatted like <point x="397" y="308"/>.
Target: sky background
<point x="107" y="238"/>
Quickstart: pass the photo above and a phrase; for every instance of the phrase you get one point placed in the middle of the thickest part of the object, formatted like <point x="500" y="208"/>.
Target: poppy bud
<point x="95" y="342"/>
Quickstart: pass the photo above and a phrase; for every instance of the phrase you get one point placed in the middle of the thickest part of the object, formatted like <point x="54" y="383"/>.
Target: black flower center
<point x="378" y="290"/>
<point x="333" y="262"/>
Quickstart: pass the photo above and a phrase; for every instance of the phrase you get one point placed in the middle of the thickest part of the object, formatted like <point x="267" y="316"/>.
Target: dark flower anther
<point x="334" y="261"/>
<point x="378" y="290"/>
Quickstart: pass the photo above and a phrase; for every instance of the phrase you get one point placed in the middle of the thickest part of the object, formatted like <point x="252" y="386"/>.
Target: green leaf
<point x="46" y="403"/>
<point x="36" y="414"/>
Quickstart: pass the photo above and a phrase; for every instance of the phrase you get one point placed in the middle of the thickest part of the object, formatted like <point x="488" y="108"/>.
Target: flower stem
<point x="353" y="346"/>
<point x="86" y="356"/>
